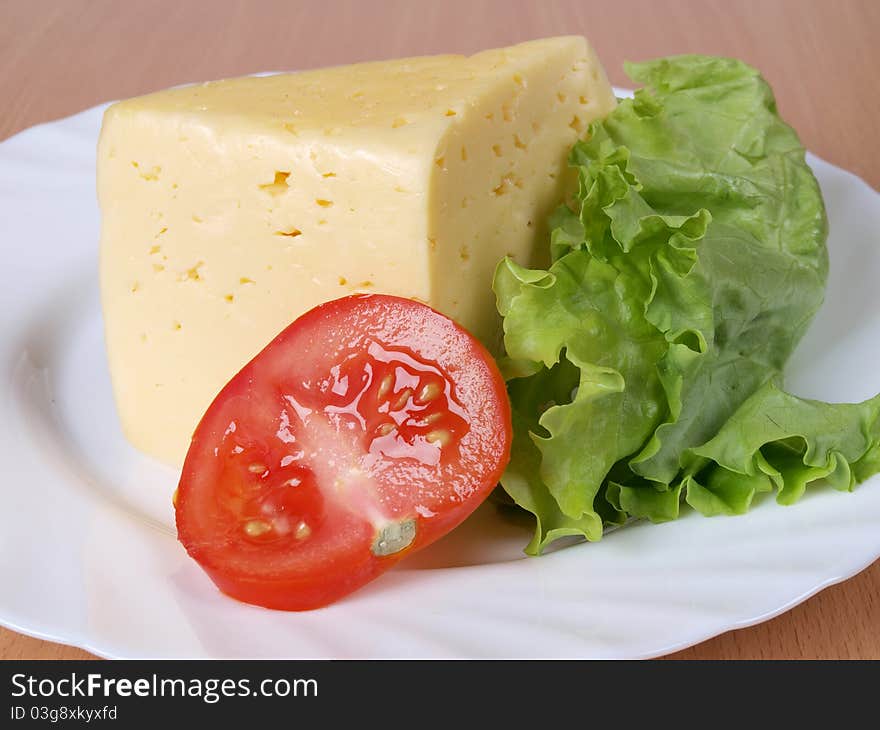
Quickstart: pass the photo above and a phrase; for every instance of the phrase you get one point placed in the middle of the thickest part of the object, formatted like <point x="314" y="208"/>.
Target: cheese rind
<point x="232" y="207"/>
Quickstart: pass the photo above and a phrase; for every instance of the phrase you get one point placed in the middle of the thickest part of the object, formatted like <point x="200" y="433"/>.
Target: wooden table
<point x="821" y="56"/>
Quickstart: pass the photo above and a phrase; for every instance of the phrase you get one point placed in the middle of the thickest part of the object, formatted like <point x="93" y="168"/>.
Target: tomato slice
<point x="367" y="429"/>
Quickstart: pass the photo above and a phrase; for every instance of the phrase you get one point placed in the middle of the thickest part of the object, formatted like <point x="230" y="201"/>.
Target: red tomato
<point x="366" y="430"/>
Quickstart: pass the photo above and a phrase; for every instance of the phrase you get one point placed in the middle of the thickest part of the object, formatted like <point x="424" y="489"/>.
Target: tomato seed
<point x="255" y="528"/>
<point x="385" y="429"/>
<point x="256" y="468"/>
<point x="302" y="531"/>
<point x="429" y="392"/>
<point x="403" y="400"/>
<point x="433" y="417"/>
<point x="441" y="437"/>
<point x="384" y="387"/>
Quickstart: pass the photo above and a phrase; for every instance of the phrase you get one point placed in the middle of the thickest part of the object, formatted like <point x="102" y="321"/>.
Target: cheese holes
<point x="192" y="273"/>
<point x="279" y="184"/>
<point x="508" y="181"/>
<point x="151" y="174"/>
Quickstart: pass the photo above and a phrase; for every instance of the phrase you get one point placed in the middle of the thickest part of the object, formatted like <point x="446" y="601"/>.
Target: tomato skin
<point x="304" y="594"/>
<point x="426" y="439"/>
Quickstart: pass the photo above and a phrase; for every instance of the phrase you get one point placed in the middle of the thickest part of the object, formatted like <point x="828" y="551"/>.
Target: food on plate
<point x="651" y="290"/>
<point x="645" y="364"/>
<point x="367" y="429"/>
<point x="230" y="208"/>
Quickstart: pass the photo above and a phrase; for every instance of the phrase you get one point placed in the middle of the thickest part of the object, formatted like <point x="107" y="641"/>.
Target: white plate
<point x="88" y="554"/>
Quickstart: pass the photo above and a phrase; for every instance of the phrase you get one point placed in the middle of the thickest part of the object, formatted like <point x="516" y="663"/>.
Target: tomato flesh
<point x="366" y="430"/>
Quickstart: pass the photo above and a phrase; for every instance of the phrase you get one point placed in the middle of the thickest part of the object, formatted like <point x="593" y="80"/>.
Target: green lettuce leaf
<point x="777" y="441"/>
<point x="643" y="364"/>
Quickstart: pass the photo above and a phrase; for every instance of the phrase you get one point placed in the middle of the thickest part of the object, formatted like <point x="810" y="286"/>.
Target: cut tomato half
<point x="367" y="429"/>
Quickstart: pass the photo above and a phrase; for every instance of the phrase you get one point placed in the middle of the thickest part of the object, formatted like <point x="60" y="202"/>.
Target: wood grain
<point x="821" y="57"/>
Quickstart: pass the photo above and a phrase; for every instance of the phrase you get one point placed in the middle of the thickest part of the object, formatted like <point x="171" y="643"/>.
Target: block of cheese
<point x="230" y="208"/>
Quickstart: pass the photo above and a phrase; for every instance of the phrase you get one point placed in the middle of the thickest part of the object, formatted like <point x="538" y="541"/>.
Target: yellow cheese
<point x="229" y="208"/>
